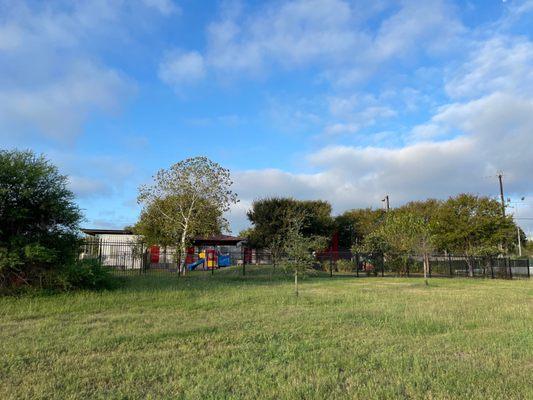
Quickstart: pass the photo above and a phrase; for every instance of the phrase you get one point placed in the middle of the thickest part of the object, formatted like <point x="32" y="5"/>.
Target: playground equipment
<point x="210" y="259"/>
<point x="193" y="265"/>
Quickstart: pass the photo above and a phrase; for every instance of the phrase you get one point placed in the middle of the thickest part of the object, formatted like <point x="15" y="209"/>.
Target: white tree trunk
<point x="183" y="267"/>
<point x="426" y="268"/>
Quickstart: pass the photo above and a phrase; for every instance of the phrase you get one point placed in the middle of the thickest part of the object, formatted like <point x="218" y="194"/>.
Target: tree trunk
<point x="183" y="251"/>
<point x="470" y="267"/>
<point x="426" y="268"/>
<point x="296" y="282"/>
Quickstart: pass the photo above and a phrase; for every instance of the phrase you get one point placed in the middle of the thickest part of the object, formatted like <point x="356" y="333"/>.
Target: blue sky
<point x="334" y="99"/>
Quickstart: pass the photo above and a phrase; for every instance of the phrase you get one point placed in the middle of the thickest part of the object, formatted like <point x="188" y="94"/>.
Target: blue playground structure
<point x="193" y="266"/>
<point x="215" y="260"/>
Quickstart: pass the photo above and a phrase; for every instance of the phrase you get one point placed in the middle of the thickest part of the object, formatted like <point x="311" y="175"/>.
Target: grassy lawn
<point x="225" y="336"/>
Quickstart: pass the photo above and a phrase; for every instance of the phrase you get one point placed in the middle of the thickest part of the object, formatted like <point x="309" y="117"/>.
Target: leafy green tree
<point x="409" y="233"/>
<point x="317" y="220"/>
<point x="299" y="248"/>
<point x="38" y="218"/>
<point x="354" y="225"/>
<point x="425" y="209"/>
<point x="189" y="197"/>
<point x="271" y="219"/>
<point x="156" y="229"/>
<point x="473" y="226"/>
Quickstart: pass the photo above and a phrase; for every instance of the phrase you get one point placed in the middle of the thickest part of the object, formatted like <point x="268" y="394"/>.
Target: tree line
<point x="466" y="224"/>
<point x="40" y="237"/>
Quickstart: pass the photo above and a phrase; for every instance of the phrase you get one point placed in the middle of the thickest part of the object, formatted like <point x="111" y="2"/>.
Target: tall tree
<point x="38" y="217"/>
<point x="272" y="219"/>
<point x="354" y="225"/>
<point x="187" y="196"/>
<point x="156" y="229"/>
<point x="473" y="226"/>
<point x="404" y="232"/>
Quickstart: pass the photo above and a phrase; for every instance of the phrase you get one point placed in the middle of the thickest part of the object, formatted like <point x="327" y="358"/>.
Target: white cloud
<point x="354" y="112"/>
<point x="333" y="35"/>
<point x="9" y="37"/>
<point x="178" y="68"/>
<point x="96" y="177"/>
<point x="501" y="63"/>
<point x="459" y="149"/>
<point x="165" y="7"/>
<point x="291" y="34"/>
<point x="57" y="107"/>
<point x="52" y="78"/>
<point x="340" y="128"/>
<point x="429" y="25"/>
<point x="84" y="187"/>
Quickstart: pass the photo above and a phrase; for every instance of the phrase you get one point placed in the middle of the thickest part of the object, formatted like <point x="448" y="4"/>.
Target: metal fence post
<point x="331" y="264"/>
<point x="99" y="251"/>
<point x="382" y="259"/>
<point x="357" y="264"/>
<point x="491" y="267"/>
<point x="450" y="265"/>
<point x="510" y="268"/>
<point x="528" y="272"/>
<point x="243" y="261"/>
<point x="142" y="259"/>
<point x="429" y="265"/>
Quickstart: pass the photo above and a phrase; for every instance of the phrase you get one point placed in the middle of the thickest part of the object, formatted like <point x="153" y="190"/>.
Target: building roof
<point x="93" y="232"/>
<point x="215" y="240"/>
<point x="218" y="240"/>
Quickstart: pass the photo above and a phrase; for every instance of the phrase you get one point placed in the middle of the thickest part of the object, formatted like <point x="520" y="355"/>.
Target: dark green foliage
<point x="465" y="225"/>
<point x="354" y="225"/>
<point x="270" y="219"/>
<point x="38" y="219"/>
<point x="473" y="225"/>
<point x="87" y="274"/>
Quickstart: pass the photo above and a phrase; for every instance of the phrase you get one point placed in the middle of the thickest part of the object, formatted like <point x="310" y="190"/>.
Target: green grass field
<point x="225" y="336"/>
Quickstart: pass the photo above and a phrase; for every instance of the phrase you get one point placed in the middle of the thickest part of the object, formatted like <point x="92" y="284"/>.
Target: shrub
<point x="87" y="274"/>
<point x="345" y="266"/>
<point x="38" y="221"/>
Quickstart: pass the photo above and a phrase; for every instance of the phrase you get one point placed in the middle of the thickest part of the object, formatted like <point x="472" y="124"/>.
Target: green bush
<point x="345" y="266"/>
<point x="86" y="274"/>
<point x="39" y="221"/>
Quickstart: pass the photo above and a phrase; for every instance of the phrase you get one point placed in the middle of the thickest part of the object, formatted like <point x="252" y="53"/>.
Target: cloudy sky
<point x="319" y="99"/>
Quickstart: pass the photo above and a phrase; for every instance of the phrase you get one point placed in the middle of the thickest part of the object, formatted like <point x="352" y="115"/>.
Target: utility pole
<point x="386" y="200"/>
<point x="500" y="178"/>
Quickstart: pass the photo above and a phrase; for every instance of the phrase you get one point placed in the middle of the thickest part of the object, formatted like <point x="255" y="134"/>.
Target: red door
<point x="154" y="254"/>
